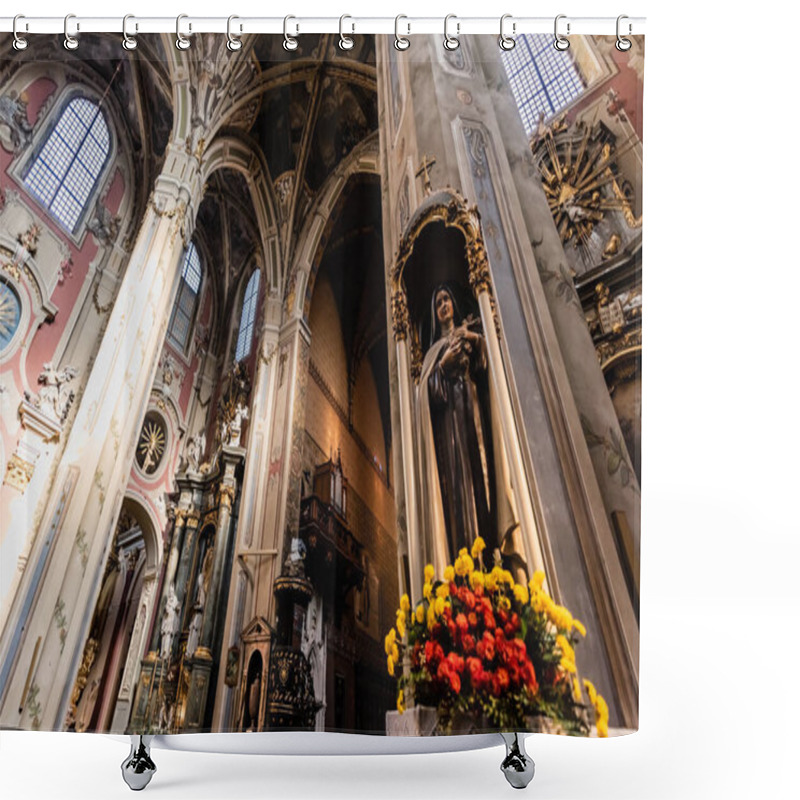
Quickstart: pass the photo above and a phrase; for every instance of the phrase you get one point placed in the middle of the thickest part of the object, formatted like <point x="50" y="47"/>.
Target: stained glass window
<point x="248" y="319"/>
<point x="9" y="314"/>
<point x="180" y="324"/>
<point x="64" y="174"/>
<point x="544" y="80"/>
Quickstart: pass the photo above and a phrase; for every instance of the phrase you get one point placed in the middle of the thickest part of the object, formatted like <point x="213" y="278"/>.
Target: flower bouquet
<point x="481" y="644"/>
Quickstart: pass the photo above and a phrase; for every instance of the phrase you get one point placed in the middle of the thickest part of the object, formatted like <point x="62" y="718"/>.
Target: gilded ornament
<point x="18" y="473"/>
<point x="399" y="314"/>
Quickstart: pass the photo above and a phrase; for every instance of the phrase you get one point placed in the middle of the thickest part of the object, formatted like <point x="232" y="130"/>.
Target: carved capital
<point x="399" y="314"/>
<point x="227" y="494"/>
<point x="480" y="279"/>
<point x="192" y="518"/>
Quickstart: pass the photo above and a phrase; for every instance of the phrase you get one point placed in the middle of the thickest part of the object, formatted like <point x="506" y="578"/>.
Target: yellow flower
<point x="431" y="616"/>
<point x="602" y="728"/>
<point x="504" y="603"/>
<point x="449" y="573"/>
<point x="429" y="572"/>
<point x="401" y="624"/>
<point x="439" y="606"/>
<point x="579" y="626"/>
<point x="460" y="567"/>
<point x="490" y="582"/>
<point x="590" y="690"/>
<point x="427" y="590"/>
<point x="602" y="707"/>
<point x="401" y="702"/>
<point x="478" y="546"/>
<point x="521" y="594"/>
<point x="390" y="639"/>
<point x="576" y="690"/>
<point x="567" y="654"/>
<point x="395" y="654"/>
<point x="476" y="579"/>
<point x="538" y="579"/>
<point x="508" y="577"/>
<point x="463" y="551"/>
<point x="405" y="603"/>
<point x="420" y="613"/>
<point x="443" y="590"/>
<point x="390" y="665"/>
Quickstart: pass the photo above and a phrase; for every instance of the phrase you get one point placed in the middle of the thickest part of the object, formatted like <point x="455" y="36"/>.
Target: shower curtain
<point x="320" y="376"/>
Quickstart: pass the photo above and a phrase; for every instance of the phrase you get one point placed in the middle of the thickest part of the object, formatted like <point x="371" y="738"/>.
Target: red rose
<point x="446" y="672"/>
<point x="502" y="677"/>
<point x="456" y="661"/>
<point x="488" y="620"/>
<point x="468" y="642"/>
<point x="462" y="624"/>
<point x="472" y="618"/>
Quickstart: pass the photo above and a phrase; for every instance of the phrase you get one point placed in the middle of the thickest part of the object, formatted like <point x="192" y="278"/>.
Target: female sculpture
<point x="464" y="485"/>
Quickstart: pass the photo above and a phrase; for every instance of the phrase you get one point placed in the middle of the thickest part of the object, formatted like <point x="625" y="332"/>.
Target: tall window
<point x="65" y="172"/>
<point x="248" y="319"/>
<point x="544" y="80"/>
<point x="180" y="324"/>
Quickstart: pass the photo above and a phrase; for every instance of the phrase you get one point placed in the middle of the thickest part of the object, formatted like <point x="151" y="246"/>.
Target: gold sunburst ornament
<point x="151" y="446"/>
<point x="580" y="181"/>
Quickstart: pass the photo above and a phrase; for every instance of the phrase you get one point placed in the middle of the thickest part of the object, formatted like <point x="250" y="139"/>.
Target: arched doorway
<point x="101" y="696"/>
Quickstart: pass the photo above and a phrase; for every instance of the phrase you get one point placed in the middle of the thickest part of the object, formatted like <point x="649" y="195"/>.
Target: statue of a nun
<point x="466" y="492"/>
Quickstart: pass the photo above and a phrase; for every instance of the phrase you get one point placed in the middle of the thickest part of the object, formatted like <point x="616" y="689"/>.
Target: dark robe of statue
<point x="455" y="376"/>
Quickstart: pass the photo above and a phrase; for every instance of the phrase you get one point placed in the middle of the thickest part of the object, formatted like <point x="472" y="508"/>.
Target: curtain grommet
<point x="451" y="42"/>
<point x="561" y="42"/>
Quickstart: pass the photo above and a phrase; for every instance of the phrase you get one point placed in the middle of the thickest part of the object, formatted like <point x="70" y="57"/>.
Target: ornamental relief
<point x="590" y="199"/>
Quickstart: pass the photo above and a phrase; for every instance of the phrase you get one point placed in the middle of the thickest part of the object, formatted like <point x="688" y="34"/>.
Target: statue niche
<point x="463" y="479"/>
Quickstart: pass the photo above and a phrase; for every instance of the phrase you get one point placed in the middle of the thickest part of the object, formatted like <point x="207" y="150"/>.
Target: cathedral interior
<point x="217" y="272"/>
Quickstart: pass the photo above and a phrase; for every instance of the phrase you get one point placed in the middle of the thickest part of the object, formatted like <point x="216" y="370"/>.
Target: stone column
<point x="75" y="529"/>
<point x="26" y="473"/>
<point x="202" y="662"/>
<point x="400" y="329"/>
<point x="249" y="553"/>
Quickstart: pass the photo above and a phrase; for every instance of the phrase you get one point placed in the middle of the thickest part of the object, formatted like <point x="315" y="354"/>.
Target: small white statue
<point x="195" y="450"/>
<point x="169" y="623"/>
<point x="234" y="431"/>
<point x="55" y="396"/>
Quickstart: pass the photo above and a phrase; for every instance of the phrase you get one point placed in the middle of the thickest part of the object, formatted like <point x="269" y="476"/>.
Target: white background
<point x="719" y="683"/>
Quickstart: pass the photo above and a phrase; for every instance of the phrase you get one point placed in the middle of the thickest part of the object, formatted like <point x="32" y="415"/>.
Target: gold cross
<point x="422" y="172"/>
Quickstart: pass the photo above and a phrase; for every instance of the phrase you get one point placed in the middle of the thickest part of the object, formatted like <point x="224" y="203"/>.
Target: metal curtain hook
<point x="289" y="42"/>
<point x="234" y="42"/>
<point x="128" y="42"/>
<point x="345" y="42"/>
<point x="19" y="43"/>
<point x="623" y="44"/>
<point x="507" y="42"/>
<point x="181" y="42"/>
<point x="70" y="42"/>
<point x="401" y="42"/>
<point x="561" y="42"/>
<point x="451" y="42"/>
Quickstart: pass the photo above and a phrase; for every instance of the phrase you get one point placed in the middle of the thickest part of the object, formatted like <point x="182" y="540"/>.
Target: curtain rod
<point x="297" y="25"/>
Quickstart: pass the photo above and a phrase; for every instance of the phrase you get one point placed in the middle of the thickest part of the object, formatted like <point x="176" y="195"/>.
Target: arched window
<point x="544" y="80"/>
<point x="248" y="319"/>
<point x="180" y="324"/>
<point x="64" y="174"/>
